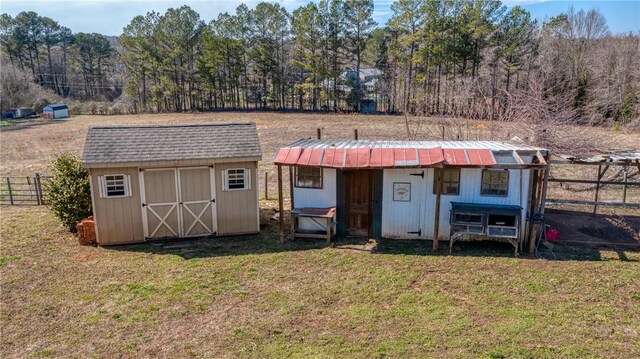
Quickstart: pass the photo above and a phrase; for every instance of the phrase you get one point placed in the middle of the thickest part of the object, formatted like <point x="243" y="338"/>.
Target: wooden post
<point x="436" y="220"/>
<point x="355" y="134"/>
<point x="280" y="204"/>
<point x="10" y="193"/>
<point x="266" y="186"/>
<point x="537" y="205"/>
<point x="37" y="187"/>
<point x="624" y="187"/>
<point x="319" y="134"/>
<point x="291" y="185"/>
<point x="595" y="205"/>
<point x="443" y="132"/>
<point x="545" y="187"/>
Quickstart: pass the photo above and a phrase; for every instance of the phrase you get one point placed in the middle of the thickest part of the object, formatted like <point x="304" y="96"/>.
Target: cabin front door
<point x="358" y="188"/>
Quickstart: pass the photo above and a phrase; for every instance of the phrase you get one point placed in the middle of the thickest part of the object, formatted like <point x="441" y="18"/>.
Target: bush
<point x="68" y="193"/>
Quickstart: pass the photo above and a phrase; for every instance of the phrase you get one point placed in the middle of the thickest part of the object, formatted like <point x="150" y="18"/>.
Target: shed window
<point x="450" y="181"/>
<point x="308" y="177"/>
<point x="236" y="179"/>
<point x="114" y="186"/>
<point x="495" y="183"/>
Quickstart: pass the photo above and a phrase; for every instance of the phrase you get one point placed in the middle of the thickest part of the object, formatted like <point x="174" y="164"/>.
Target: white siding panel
<point x="318" y="197"/>
<point x="309" y="224"/>
<point x="398" y="218"/>
<point x="470" y="182"/>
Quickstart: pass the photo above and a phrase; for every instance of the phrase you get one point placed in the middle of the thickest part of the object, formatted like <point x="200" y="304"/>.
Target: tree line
<point x="474" y="59"/>
<point x="80" y="65"/>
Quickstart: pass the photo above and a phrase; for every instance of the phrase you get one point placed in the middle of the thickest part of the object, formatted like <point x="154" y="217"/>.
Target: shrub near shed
<point x="68" y="193"/>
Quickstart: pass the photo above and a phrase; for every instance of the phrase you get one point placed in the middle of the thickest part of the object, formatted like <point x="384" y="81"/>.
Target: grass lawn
<point x="251" y="297"/>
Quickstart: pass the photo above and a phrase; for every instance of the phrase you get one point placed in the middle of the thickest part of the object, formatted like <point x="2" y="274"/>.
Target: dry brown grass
<point x="29" y="147"/>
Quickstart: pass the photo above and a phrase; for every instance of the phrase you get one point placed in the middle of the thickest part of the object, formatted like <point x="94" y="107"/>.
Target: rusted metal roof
<point x="489" y="145"/>
<point x="392" y="154"/>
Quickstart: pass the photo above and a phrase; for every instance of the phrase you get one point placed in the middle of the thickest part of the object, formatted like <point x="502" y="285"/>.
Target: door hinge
<point x="421" y="174"/>
<point x="210" y="166"/>
<point x="144" y="205"/>
<point x="418" y="232"/>
<point x="140" y="170"/>
<point x="213" y="200"/>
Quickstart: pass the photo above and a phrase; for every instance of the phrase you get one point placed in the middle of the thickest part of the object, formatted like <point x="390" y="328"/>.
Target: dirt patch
<point x="601" y="229"/>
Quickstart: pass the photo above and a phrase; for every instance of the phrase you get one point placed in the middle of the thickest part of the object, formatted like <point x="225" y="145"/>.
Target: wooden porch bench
<point x="322" y="216"/>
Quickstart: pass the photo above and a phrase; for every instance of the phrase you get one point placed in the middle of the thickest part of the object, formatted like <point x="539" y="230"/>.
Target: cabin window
<point x="236" y="179"/>
<point x="308" y="177"/>
<point x="114" y="186"/>
<point x="450" y="181"/>
<point x="495" y="183"/>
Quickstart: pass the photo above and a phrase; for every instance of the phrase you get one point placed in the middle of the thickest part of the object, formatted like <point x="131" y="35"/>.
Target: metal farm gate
<point x="24" y="190"/>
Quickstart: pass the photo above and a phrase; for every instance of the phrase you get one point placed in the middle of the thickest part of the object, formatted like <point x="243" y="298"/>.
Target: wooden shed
<point x="439" y="190"/>
<point x="173" y="181"/>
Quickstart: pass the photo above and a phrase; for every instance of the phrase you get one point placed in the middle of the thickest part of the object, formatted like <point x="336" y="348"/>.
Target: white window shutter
<point x="101" y="186"/>
<point x="247" y="178"/>
<point x="128" y="190"/>
<point x="225" y="182"/>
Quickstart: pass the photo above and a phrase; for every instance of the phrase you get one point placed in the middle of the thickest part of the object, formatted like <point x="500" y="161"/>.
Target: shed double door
<point x="359" y="196"/>
<point x="178" y="202"/>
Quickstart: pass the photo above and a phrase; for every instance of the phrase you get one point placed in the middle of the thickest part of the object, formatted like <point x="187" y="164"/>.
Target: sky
<point x="108" y="17"/>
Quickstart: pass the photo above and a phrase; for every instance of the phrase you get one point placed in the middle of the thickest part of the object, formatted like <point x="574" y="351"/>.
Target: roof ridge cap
<point x="168" y="125"/>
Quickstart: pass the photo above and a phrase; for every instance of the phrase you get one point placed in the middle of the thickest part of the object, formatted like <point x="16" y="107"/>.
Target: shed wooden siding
<point x="316" y="197"/>
<point x="398" y="218"/>
<point x="118" y="220"/>
<point x="237" y="210"/>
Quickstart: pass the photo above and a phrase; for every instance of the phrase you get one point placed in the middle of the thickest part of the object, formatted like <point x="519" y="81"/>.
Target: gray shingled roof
<point x="120" y="144"/>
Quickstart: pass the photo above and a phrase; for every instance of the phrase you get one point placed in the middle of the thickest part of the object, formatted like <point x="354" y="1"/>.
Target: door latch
<point x="418" y="232"/>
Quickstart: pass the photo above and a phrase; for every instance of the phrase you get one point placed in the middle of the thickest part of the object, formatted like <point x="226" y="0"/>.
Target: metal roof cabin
<point x="438" y="190"/>
<point x="173" y="181"/>
<point x="55" y="111"/>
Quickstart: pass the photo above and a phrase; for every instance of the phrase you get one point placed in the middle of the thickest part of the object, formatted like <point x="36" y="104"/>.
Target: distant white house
<point x="55" y="111"/>
<point x="369" y="78"/>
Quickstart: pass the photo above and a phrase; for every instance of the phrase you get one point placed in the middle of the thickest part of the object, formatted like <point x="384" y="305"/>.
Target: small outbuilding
<point x="439" y="190"/>
<point x="173" y="181"/>
<point x="55" y="111"/>
<point x="23" y="112"/>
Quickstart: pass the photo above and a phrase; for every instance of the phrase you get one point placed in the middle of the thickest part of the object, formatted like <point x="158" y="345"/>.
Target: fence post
<point x="355" y="134"/>
<point x="319" y="134"/>
<point x="266" y="185"/>
<point x="595" y="204"/>
<point x="624" y="187"/>
<point x="38" y="190"/>
<point x="9" y="189"/>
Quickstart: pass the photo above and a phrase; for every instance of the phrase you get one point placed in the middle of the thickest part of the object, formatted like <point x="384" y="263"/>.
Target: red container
<point x="552" y="234"/>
